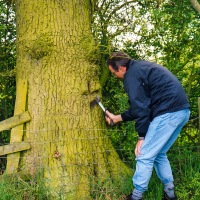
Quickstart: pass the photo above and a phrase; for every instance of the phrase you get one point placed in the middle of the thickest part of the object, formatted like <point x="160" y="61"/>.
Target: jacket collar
<point x="128" y="65"/>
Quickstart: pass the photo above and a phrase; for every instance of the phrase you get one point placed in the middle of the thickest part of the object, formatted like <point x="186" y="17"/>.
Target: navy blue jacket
<point x="152" y="91"/>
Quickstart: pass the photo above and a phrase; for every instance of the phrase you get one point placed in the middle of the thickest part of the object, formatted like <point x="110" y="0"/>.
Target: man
<point x="160" y="108"/>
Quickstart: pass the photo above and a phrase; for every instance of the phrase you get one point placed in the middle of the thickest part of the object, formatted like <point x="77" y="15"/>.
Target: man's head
<point x="117" y="63"/>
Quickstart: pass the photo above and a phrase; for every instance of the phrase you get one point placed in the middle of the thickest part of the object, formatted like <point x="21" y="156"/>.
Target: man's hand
<point x="138" y="147"/>
<point x="115" y="118"/>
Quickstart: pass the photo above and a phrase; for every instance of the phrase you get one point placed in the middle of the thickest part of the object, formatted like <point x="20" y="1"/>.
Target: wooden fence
<point x="16" y="122"/>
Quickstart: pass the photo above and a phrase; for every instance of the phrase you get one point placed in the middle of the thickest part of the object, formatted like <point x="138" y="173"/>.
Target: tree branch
<point x="118" y="8"/>
<point x="195" y="5"/>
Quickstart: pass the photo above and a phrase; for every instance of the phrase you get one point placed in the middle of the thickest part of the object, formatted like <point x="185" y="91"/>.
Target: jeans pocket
<point x="178" y="118"/>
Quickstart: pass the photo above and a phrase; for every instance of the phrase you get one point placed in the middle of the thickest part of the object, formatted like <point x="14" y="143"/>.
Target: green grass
<point x="186" y="169"/>
<point x="186" y="165"/>
<point x="14" y="188"/>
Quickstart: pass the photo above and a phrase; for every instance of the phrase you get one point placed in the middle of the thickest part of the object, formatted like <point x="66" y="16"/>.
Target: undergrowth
<point x="185" y="163"/>
<point x="15" y="188"/>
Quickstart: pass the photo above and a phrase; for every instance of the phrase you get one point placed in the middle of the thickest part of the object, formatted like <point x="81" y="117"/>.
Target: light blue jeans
<point x="162" y="133"/>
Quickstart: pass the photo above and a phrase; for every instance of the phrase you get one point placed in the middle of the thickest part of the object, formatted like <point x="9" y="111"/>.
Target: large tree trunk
<point x="68" y="139"/>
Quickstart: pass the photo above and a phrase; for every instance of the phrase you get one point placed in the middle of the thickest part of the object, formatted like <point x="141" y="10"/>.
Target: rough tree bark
<point x="68" y="139"/>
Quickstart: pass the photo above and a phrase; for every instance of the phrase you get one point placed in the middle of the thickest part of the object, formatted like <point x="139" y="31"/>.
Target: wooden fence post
<point x="17" y="132"/>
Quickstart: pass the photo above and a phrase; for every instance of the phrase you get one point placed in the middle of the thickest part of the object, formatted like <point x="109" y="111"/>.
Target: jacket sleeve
<point x="139" y="101"/>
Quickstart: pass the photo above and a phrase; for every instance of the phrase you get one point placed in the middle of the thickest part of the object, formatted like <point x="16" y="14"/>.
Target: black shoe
<point x="129" y="197"/>
<point x="166" y="197"/>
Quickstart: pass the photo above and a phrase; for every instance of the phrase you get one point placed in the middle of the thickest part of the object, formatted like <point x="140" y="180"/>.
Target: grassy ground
<point x="186" y="168"/>
<point x="185" y="164"/>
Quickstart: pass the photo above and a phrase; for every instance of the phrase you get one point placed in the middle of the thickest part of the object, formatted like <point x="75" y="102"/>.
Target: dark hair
<point x="118" y="59"/>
